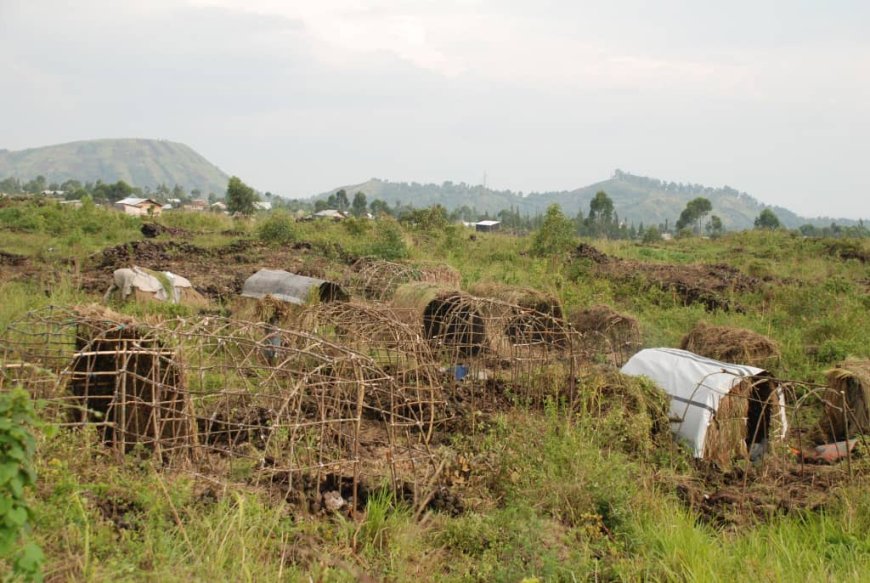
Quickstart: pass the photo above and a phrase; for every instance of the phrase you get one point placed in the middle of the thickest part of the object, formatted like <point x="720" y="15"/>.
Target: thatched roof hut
<point x="289" y="287"/>
<point x="607" y="334"/>
<point x="722" y="410"/>
<point x="731" y="345"/>
<point x="448" y="317"/>
<point x="848" y="399"/>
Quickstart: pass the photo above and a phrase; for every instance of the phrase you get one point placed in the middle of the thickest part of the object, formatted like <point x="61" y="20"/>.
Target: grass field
<point x="549" y="494"/>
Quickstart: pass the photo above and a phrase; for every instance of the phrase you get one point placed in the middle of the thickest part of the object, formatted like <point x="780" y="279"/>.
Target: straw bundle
<point x="608" y="335"/>
<point x="851" y="379"/>
<point x="746" y="415"/>
<point x="735" y="345"/>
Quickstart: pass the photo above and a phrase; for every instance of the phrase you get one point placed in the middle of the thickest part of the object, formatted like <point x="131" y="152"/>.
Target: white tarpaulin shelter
<point x="125" y="280"/>
<point x="696" y="386"/>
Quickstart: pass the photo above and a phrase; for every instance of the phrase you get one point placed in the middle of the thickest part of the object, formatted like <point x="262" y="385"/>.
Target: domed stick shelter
<point x="607" y="335"/>
<point x="723" y="411"/>
<point x="539" y="319"/>
<point x="449" y="317"/>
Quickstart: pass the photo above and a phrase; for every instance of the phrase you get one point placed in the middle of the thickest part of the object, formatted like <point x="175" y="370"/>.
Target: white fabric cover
<point x="695" y="384"/>
<point x="125" y="279"/>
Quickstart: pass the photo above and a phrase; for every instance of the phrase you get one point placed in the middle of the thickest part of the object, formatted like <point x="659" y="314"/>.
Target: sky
<point x="771" y="97"/>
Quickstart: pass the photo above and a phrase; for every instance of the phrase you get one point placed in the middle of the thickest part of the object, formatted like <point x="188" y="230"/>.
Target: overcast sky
<point x="297" y="97"/>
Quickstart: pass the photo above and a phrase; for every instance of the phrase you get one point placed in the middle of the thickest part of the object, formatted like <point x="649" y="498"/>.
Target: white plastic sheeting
<point x="127" y="279"/>
<point x="696" y="385"/>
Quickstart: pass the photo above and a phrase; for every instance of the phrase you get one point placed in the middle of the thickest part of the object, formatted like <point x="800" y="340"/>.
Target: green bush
<point x="279" y="228"/>
<point x="389" y="241"/>
<point x="17" y="447"/>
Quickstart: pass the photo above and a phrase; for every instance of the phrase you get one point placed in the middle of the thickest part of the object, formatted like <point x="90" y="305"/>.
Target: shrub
<point x="17" y="446"/>
<point x="390" y="241"/>
<point x="278" y="228"/>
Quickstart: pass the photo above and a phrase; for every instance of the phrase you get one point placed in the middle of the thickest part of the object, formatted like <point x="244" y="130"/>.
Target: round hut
<point x="608" y="335"/>
<point x="447" y="317"/>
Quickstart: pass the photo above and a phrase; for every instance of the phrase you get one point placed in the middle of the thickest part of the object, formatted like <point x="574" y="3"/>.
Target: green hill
<point x="138" y="162"/>
<point x="636" y="199"/>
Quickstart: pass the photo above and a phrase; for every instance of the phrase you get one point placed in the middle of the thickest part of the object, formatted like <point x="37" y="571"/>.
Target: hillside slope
<point x="636" y="199"/>
<point x="138" y="162"/>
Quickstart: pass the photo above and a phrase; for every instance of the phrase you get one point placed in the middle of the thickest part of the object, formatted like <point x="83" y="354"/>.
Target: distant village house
<point x="333" y="214"/>
<point x="139" y="206"/>
<point x="486" y="226"/>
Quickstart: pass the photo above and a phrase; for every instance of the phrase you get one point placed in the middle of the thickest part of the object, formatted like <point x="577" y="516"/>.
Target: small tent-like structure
<point x="146" y="285"/>
<point x="722" y="410"/>
<point x="291" y="288"/>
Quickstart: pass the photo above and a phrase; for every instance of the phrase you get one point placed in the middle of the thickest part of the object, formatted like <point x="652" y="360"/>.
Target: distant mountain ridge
<point x="139" y="162"/>
<point x="635" y="198"/>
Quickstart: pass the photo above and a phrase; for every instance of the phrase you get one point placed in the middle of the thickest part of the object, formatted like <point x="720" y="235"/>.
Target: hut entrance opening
<point x="455" y="323"/>
<point x="131" y="387"/>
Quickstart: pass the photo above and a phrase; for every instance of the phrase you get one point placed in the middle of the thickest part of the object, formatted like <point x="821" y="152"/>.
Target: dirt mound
<point x="12" y="259"/>
<point x="708" y="285"/>
<point x="585" y="251"/>
<point x="745" y="496"/>
<point x="847" y="249"/>
<point x="142" y="252"/>
<point x="151" y="230"/>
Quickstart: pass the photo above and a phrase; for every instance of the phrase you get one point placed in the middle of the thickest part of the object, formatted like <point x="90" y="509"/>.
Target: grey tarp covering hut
<point x="292" y="288"/>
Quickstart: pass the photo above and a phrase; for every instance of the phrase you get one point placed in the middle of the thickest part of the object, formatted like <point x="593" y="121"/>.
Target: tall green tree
<point x="696" y="209"/>
<point x="240" y="197"/>
<point x="600" y="214"/>
<point x="556" y="235"/>
<point x="341" y="201"/>
<point x="715" y="227"/>
<point x="358" y="207"/>
<point x="767" y="220"/>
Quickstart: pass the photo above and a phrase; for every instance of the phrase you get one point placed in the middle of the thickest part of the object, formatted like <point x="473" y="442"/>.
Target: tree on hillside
<point x="556" y="234"/>
<point x="715" y="227"/>
<point x="341" y="201"/>
<point x="696" y="209"/>
<point x="600" y="212"/>
<point x="240" y="197"/>
<point x="358" y="207"/>
<point x="767" y="220"/>
<point x="379" y="207"/>
<point x="36" y="185"/>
